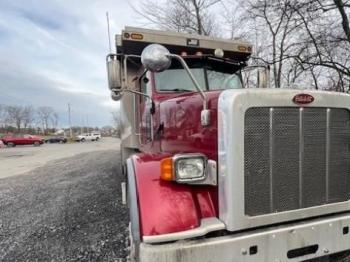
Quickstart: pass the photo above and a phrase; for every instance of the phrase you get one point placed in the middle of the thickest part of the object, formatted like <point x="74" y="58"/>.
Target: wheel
<point x="36" y="143"/>
<point x="10" y="144"/>
<point x="82" y="140"/>
<point x="97" y="139"/>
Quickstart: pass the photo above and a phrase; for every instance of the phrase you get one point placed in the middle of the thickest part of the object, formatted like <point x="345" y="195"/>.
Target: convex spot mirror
<point x="156" y="58"/>
<point x="114" y="75"/>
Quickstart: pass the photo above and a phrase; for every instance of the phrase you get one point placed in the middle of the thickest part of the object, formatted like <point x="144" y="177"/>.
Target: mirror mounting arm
<point x="185" y="66"/>
<point x="205" y="114"/>
<point x="145" y="95"/>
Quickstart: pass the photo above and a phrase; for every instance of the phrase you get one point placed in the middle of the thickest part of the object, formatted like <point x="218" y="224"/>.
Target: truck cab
<point x="219" y="172"/>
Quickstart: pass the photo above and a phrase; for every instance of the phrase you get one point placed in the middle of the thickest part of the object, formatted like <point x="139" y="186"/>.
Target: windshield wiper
<point x="178" y="90"/>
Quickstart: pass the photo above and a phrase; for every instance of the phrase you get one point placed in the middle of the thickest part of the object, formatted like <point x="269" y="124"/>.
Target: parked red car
<point x="15" y="140"/>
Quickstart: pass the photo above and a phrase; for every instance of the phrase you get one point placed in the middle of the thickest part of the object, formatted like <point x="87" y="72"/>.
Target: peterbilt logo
<point x="302" y="99"/>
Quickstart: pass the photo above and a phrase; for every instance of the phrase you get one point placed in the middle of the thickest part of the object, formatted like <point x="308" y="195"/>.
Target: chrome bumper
<point x="292" y="242"/>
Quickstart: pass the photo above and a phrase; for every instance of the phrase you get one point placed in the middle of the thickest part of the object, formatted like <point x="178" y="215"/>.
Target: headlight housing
<point x="190" y="169"/>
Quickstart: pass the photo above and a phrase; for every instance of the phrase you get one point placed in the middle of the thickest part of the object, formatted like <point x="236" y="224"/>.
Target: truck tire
<point x="10" y="144"/>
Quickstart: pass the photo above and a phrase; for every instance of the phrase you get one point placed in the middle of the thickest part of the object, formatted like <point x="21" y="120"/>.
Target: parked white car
<point x="97" y="134"/>
<point x="88" y="137"/>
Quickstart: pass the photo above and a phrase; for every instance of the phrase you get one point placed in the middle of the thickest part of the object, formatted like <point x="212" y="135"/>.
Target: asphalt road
<point x="69" y="209"/>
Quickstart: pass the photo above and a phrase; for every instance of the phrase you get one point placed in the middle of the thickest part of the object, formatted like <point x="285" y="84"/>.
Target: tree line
<point x="16" y="118"/>
<point x="306" y="43"/>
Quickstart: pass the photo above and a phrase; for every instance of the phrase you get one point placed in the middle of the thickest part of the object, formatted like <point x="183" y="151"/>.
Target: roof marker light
<point x="136" y="36"/>
<point x="219" y="53"/>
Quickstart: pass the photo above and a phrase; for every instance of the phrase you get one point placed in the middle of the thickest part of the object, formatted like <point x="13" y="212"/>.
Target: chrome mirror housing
<point x="155" y="58"/>
<point x="114" y="74"/>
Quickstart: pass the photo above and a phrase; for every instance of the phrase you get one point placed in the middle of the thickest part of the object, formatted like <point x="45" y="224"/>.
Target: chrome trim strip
<point x="132" y="201"/>
<point x="271" y="159"/>
<point x="301" y="156"/>
<point x="327" y="151"/>
<point x="207" y="225"/>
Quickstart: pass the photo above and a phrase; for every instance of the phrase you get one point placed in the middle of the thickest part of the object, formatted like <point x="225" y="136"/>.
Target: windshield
<point x="208" y="79"/>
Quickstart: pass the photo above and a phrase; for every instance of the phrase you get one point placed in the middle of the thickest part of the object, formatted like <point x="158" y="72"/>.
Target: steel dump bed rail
<point x="134" y="40"/>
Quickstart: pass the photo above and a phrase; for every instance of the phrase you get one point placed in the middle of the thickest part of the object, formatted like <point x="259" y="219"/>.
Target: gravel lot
<point x="67" y="210"/>
<point x="21" y="159"/>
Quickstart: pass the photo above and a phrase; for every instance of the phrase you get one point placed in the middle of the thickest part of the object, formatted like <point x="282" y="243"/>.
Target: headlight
<point x="189" y="167"/>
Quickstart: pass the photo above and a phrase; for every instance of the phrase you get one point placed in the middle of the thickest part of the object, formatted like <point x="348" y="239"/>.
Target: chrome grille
<point x="295" y="158"/>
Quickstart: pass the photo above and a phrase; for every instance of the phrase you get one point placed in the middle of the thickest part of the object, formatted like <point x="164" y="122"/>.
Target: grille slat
<point x="285" y="159"/>
<point x="314" y="164"/>
<point x="295" y="158"/>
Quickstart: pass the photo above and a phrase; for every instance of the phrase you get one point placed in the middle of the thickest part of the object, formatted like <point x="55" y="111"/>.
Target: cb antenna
<point x="109" y="34"/>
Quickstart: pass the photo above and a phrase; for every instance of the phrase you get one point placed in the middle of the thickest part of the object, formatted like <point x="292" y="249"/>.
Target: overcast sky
<point x="53" y="53"/>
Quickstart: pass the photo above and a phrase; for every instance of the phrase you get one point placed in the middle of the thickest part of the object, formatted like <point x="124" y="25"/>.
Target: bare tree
<point x="28" y="116"/>
<point x="275" y="20"/>
<point x="45" y="114"/>
<point x="54" y="120"/>
<point x="14" y="115"/>
<point x="326" y="40"/>
<point x="305" y="41"/>
<point x="191" y="16"/>
<point x="2" y="115"/>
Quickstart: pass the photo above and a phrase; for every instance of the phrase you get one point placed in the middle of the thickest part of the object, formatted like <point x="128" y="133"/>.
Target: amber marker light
<point x="242" y="48"/>
<point x="136" y="36"/>
<point x="166" y="169"/>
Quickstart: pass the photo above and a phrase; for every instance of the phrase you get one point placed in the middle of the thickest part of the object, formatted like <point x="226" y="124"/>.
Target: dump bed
<point x="134" y="40"/>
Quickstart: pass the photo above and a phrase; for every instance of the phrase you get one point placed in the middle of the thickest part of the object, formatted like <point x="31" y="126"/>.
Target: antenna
<point x="109" y="35"/>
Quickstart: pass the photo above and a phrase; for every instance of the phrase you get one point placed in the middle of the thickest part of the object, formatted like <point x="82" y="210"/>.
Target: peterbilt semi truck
<point x="219" y="172"/>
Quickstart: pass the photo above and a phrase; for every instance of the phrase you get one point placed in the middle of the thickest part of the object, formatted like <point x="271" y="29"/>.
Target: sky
<point x="53" y="53"/>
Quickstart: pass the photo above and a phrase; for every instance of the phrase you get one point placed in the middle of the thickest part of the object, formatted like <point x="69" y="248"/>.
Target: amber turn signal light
<point x="166" y="172"/>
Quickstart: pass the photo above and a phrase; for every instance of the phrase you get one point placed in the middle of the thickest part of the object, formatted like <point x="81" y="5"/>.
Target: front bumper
<point x="292" y="242"/>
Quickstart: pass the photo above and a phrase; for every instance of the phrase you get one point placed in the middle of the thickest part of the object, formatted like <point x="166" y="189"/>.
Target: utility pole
<point x="70" y="122"/>
<point x="87" y="124"/>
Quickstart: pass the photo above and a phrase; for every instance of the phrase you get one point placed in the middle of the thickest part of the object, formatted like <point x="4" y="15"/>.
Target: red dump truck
<point x="219" y="172"/>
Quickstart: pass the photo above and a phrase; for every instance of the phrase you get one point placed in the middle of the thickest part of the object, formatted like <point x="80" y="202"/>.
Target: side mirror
<point x="155" y="58"/>
<point x="114" y="74"/>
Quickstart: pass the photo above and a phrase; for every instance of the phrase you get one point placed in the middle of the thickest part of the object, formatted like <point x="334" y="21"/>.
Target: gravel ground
<point x="68" y="210"/>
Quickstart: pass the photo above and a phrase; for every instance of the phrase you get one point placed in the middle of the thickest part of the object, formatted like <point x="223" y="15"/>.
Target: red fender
<point x="168" y="207"/>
